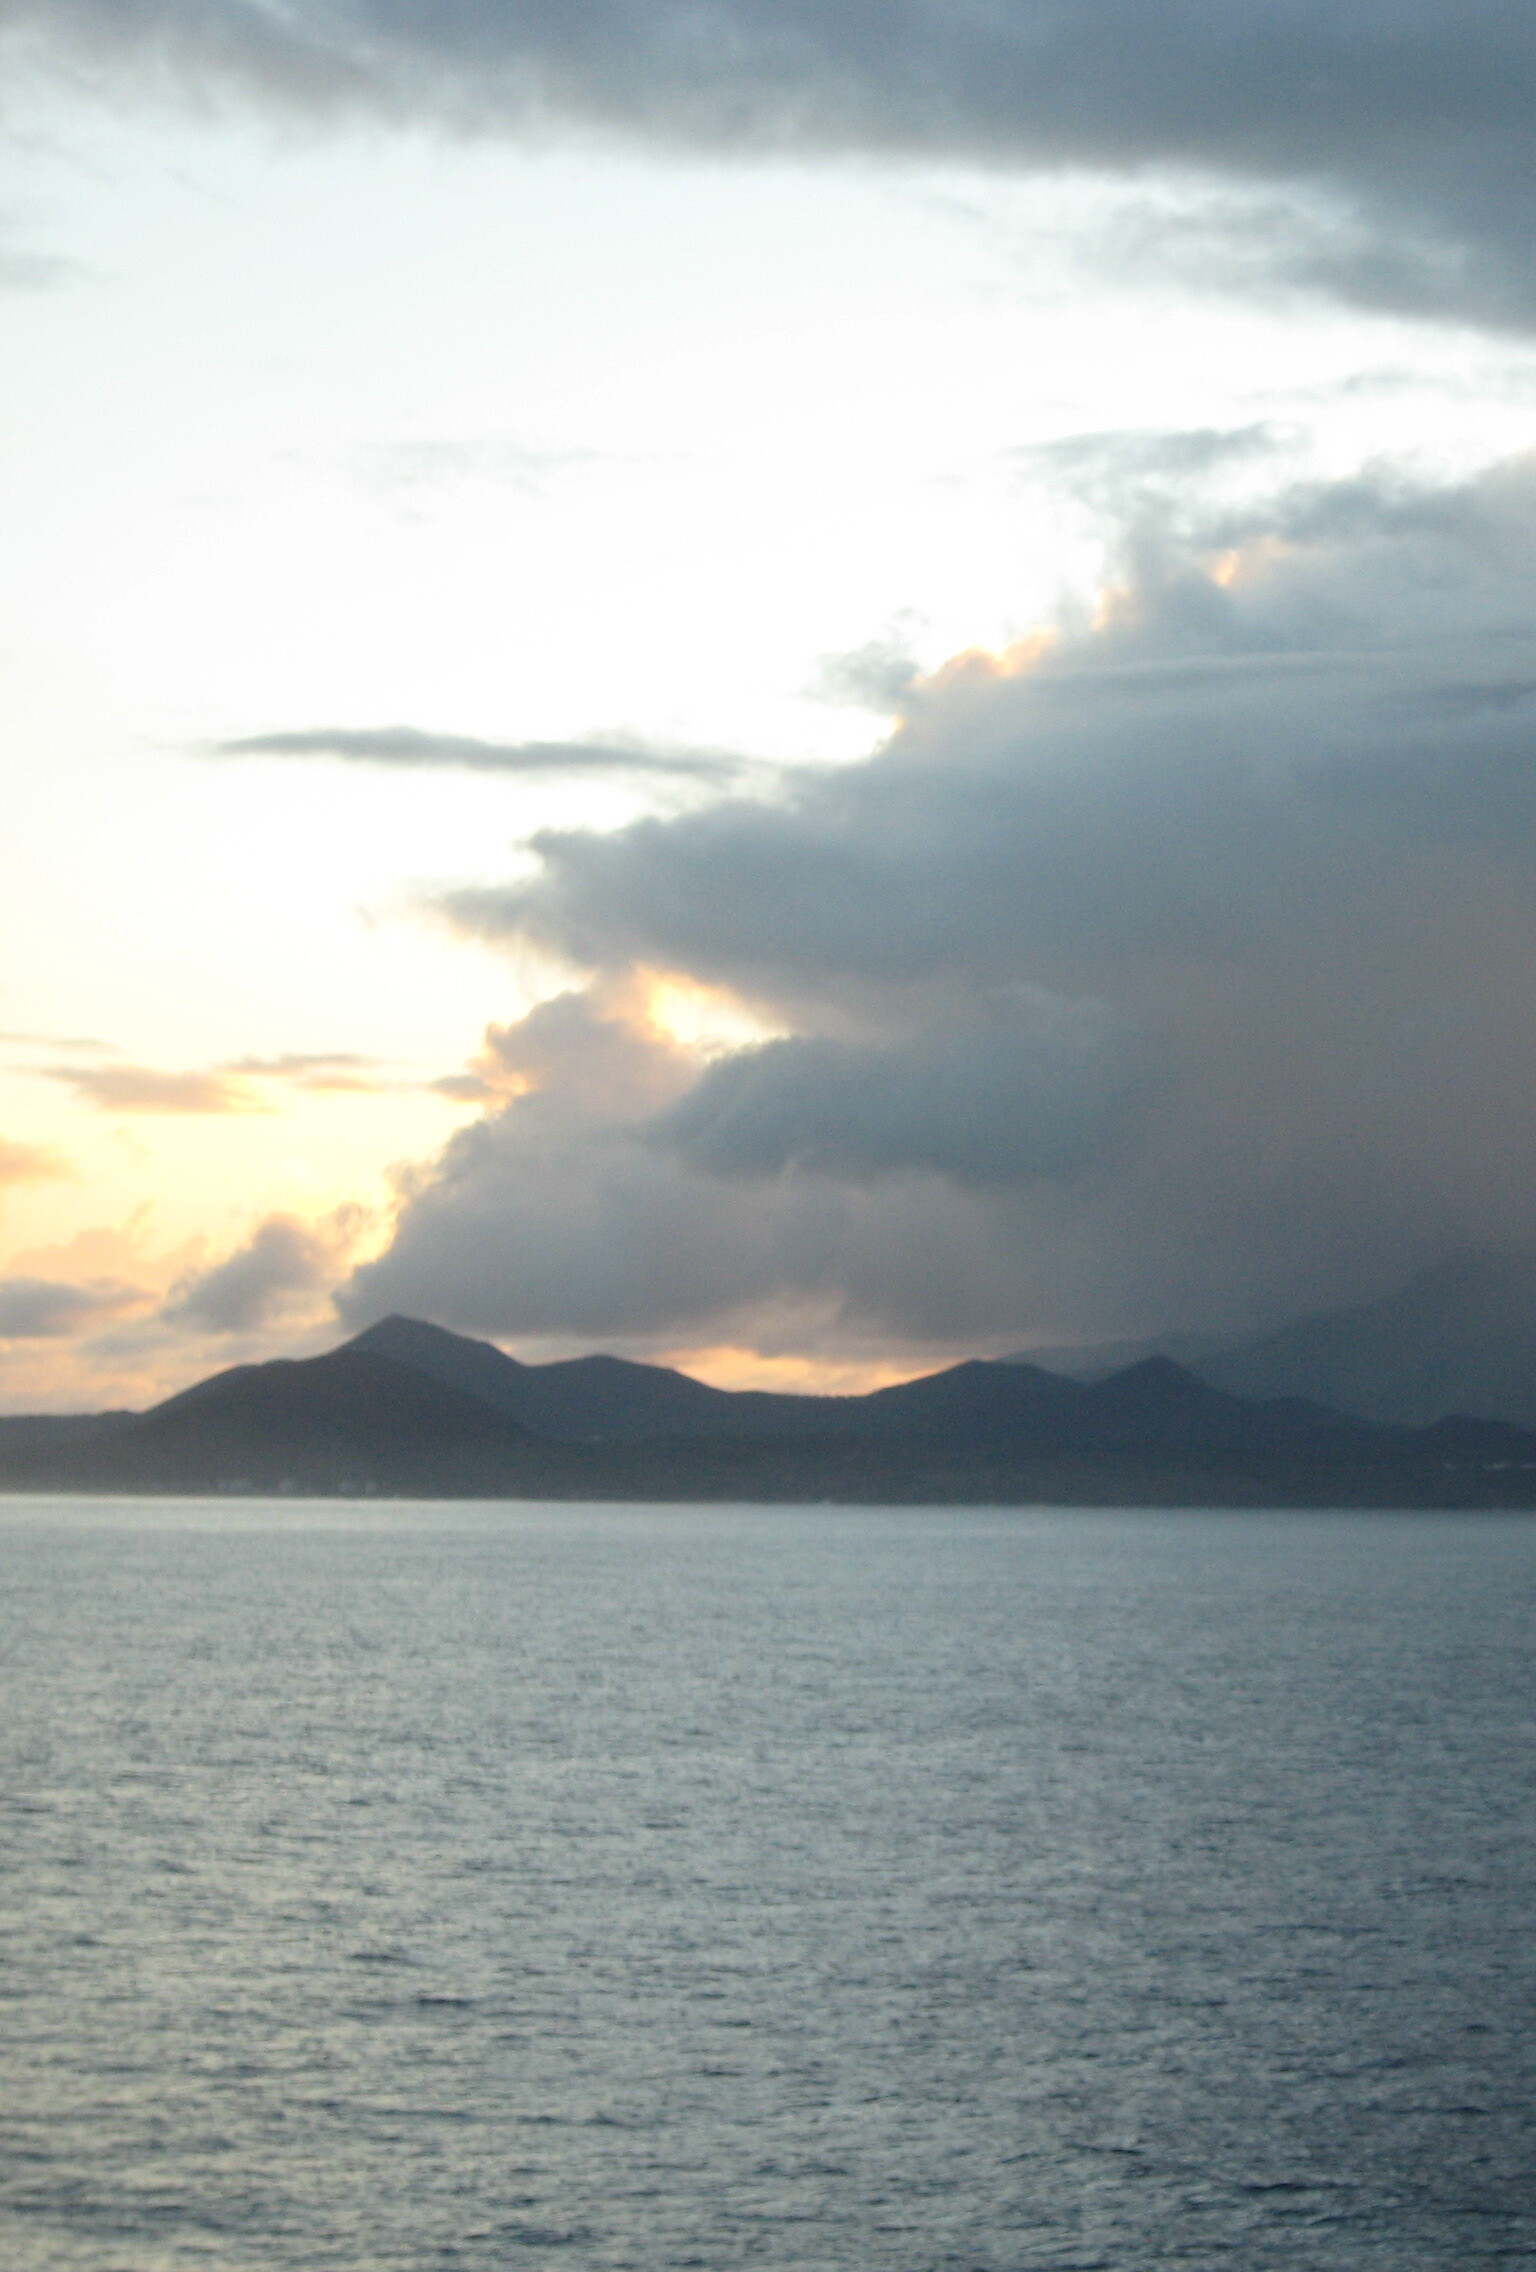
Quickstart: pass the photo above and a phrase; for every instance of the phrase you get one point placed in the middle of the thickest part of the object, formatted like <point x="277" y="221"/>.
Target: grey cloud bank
<point x="1406" y="130"/>
<point x="1022" y="1086"/>
<point x="567" y="1214"/>
<point x="1170" y="972"/>
<point x="1226" y="753"/>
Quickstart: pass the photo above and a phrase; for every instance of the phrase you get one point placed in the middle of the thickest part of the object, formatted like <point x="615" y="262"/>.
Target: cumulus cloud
<point x="283" y="1265"/>
<point x="409" y="746"/>
<point x="1384" y="153"/>
<point x="1167" y="971"/>
<point x="1232" y="739"/>
<point x="49" y="1309"/>
<point x="571" y="1212"/>
<point x="561" y="1214"/>
<point x="554" y="1213"/>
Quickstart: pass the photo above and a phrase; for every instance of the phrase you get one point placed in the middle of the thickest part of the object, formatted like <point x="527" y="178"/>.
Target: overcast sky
<point x="801" y="688"/>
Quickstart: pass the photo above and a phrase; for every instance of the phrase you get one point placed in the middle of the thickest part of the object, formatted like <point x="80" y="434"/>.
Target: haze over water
<point x="395" y="1887"/>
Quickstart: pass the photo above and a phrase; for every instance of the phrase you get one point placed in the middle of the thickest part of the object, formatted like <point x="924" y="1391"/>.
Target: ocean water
<point x="401" y="1887"/>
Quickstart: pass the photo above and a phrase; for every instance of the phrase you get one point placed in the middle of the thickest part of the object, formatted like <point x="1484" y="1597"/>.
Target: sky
<point x="800" y="689"/>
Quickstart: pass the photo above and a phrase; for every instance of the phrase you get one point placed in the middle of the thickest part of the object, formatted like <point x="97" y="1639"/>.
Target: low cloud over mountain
<point x="1171" y="970"/>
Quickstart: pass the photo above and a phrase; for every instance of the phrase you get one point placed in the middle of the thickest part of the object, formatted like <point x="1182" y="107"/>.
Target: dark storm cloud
<point x="281" y="1263"/>
<point x="1412" y="124"/>
<point x="1172" y="972"/>
<point x="1024" y="1086"/>
<point x="409" y="746"/>
<point x="49" y="1309"/>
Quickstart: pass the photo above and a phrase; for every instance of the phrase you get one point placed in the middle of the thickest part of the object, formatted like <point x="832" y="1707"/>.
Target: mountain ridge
<point x="1456" y="1338"/>
<point x="365" y="1418"/>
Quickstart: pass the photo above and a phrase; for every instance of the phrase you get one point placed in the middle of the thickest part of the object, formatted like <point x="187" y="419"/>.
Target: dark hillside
<point x="348" y="1421"/>
<point x="596" y="1399"/>
<point x="360" y="1421"/>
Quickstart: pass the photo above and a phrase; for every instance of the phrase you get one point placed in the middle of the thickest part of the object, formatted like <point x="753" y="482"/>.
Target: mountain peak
<point x="1156" y="1379"/>
<point x="410" y="1338"/>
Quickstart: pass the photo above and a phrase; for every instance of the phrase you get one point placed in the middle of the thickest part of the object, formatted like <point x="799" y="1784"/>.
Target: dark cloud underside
<point x="1021" y="1086"/>
<point x="1414" y="121"/>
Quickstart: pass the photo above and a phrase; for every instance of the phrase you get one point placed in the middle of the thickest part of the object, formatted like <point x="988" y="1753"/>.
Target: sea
<point x="498" y="1888"/>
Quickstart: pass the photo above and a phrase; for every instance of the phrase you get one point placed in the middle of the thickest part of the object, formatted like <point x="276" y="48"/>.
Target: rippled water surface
<point x="447" y="1887"/>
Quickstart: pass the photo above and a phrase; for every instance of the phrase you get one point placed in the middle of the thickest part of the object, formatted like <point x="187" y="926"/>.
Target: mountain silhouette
<point x="410" y="1408"/>
<point x="1457" y="1338"/>
<point x="612" y="1400"/>
<point x="589" y="1399"/>
<point x="351" y="1420"/>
